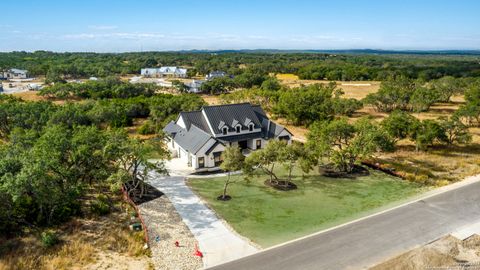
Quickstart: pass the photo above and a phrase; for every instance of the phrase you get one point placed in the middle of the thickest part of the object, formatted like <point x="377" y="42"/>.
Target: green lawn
<point x="269" y="217"/>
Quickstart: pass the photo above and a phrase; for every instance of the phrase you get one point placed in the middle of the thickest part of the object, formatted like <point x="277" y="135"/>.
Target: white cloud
<point x="86" y="36"/>
<point x="103" y="27"/>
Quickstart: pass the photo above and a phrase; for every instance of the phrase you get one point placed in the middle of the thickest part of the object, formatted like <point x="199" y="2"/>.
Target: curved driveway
<point x="216" y="241"/>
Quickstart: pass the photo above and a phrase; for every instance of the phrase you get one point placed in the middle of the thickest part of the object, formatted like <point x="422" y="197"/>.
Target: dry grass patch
<point x="35" y="96"/>
<point x="353" y="89"/>
<point x="101" y="241"/>
<point x="287" y="77"/>
<point x="211" y="100"/>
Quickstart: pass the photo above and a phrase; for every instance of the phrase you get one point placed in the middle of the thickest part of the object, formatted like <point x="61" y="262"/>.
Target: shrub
<point x="147" y="128"/>
<point x="100" y="206"/>
<point x="49" y="238"/>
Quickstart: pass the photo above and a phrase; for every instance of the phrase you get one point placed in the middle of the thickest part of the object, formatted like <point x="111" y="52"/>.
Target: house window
<point x="201" y="162"/>
<point x="224" y="130"/>
<point x="217" y="158"/>
<point x="250" y="127"/>
<point x="259" y="144"/>
<point x="238" y="129"/>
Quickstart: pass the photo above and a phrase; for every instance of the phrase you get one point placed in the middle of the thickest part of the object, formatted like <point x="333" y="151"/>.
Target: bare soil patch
<point x="447" y="252"/>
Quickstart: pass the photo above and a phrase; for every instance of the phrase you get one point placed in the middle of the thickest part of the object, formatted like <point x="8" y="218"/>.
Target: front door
<point x="243" y="144"/>
<point x="258" y="144"/>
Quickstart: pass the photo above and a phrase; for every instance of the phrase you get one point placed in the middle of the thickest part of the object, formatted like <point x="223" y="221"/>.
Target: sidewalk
<point x="218" y="243"/>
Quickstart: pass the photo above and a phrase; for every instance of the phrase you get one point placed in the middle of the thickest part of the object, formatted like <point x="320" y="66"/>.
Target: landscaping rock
<point x="165" y="228"/>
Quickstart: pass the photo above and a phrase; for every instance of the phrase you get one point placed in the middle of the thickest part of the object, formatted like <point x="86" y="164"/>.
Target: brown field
<point x="352" y="89"/>
<point x="211" y="100"/>
<point x="35" y="96"/>
<point x="29" y="96"/>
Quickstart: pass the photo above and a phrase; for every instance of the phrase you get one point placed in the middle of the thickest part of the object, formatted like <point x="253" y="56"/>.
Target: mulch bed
<point x="383" y="168"/>
<point x="358" y="171"/>
<point x="282" y="185"/>
<point x="226" y="198"/>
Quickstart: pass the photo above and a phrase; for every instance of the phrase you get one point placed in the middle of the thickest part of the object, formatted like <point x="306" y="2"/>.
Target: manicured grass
<point x="268" y="217"/>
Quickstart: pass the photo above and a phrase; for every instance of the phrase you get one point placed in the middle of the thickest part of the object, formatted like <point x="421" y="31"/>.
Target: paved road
<point x="362" y="244"/>
<point x="217" y="242"/>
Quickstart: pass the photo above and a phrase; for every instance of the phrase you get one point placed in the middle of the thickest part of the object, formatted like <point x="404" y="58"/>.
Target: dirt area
<point x="85" y="243"/>
<point x="35" y="96"/>
<point x="354" y="89"/>
<point x="446" y="253"/>
<point x="212" y="100"/>
<point x="165" y="227"/>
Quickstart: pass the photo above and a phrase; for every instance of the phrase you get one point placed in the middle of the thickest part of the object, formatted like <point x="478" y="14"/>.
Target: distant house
<point x="172" y="72"/>
<point x="194" y="86"/>
<point x="15" y="73"/>
<point x="215" y="74"/>
<point x="199" y="137"/>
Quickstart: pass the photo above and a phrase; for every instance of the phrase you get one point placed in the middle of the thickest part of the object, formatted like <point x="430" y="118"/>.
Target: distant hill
<point x="352" y="51"/>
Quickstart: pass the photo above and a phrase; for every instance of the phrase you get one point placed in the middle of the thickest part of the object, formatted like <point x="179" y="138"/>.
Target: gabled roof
<point x="171" y="128"/>
<point x="195" y="118"/>
<point x="231" y="114"/>
<point x="191" y="140"/>
<point x="18" y="71"/>
<point x="270" y="128"/>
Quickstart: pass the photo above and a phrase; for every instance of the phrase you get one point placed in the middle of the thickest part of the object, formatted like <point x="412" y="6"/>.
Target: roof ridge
<point x="223" y="105"/>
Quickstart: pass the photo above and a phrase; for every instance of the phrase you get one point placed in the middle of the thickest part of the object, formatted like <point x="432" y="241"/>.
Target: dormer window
<point x="238" y="129"/>
<point x="250" y="127"/>
<point x="224" y="130"/>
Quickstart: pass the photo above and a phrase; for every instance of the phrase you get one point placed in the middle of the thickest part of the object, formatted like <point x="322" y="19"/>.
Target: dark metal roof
<point x="230" y="114"/>
<point x="171" y="128"/>
<point x="241" y="137"/>
<point x="196" y="118"/>
<point x="191" y="140"/>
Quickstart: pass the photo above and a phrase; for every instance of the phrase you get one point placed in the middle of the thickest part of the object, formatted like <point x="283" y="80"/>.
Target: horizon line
<point x="260" y="49"/>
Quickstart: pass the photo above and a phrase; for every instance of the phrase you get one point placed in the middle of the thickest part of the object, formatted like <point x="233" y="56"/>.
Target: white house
<point x="15" y="73"/>
<point x="174" y="72"/>
<point x="200" y="137"/>
<point x="215" y="74"/>
<point x="194" y="86"/>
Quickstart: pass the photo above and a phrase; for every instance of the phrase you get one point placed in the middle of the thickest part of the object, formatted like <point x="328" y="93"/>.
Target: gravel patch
<point x="165" y="227"/>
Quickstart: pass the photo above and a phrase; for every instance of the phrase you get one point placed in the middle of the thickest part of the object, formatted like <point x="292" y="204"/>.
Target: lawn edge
<point x="466" y="181"/>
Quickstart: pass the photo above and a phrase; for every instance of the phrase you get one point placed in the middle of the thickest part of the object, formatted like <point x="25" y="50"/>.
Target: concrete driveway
<point x="217" y="242"/>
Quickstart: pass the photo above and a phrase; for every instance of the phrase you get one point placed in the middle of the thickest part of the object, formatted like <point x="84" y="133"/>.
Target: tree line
<point x="317" y="66"/>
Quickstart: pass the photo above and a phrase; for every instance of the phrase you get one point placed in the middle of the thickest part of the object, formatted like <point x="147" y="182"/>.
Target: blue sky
<point x="127" y="25"/>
